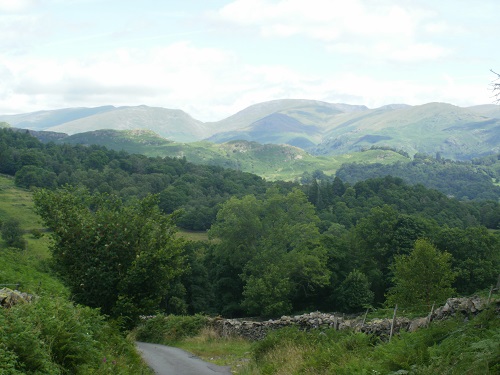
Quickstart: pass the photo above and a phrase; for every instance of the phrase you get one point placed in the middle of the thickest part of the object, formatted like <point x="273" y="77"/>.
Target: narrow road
<point x="166" y="360"/>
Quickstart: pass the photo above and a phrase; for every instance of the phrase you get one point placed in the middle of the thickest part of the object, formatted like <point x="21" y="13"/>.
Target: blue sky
<point x="214" y="58"/>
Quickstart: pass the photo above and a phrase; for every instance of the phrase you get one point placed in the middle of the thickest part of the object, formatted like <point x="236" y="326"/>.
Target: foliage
<point x="348" y="203"/>
<point x="421" y="278"/>
<point x="273" y="245"/>
<point x="182" y="185"/>
<point x="476" y="256"/>
<point x="271" y="252"/>
<point x="53" y="336"/>
<point x="463" y="180"/>
<point x="354" y="292"/>
<point x="117" y="257"/>
<point x="452" y="347"/>
<point x="12" y="233"/>
<point x="169" y="329"/>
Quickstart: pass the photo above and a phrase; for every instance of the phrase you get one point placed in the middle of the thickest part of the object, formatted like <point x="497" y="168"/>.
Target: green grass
<point x="16" y="202"/>
<point x="51" y="335"/>
<point x="192" y="235"/>
<point x="452" y="346"/>
<point x="20" y="267"/>
<point x="193" y="334"/>
<point x="223" y="351"/>
<point x="270" y="161"/>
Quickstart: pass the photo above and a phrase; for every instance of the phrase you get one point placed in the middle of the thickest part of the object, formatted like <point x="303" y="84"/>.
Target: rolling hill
<point x="317" y="127"/>
<point x="455" y="132"/>
<point x="170" y="123"/>
<point x="271" y="161"/>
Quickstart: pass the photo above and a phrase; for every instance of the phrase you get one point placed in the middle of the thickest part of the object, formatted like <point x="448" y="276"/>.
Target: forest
<point x="464" y="180"/>
<point x="274" y="248"/>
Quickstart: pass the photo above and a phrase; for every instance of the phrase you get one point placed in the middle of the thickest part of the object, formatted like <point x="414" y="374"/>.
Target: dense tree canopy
<point x="463" y="180"/>
<point x="197" y="190"/>
<point x="276" y="248"/>
<point x="422" y="278"/>
<point x="273" y="245"/>
<point x="117" y="257"/>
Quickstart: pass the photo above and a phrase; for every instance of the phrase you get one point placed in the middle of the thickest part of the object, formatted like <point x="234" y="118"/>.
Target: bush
<point x="36" y="233"/>
<point x="354" y="293"/>
<point x="53" y="336"/>
<point x="12" y="233"/>
<point x="169" y="329"/>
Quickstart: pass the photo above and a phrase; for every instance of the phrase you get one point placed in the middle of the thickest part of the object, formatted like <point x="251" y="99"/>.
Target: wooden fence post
<point x="489" y="295"/>
<point x="364" y="318"/>
<point x="430" y="316"/>
<point x="393" y="322"/>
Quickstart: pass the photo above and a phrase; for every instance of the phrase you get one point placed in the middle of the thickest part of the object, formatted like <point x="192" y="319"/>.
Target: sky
<point x="212" y="58"/>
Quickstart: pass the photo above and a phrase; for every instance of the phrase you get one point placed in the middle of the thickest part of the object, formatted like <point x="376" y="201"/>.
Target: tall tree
<point x="421" y="278"/>
<point x="476" y="256"/>
<point x="273" y="245"/>
<point x="117" y="257"/>
<point x="354" y="292"/>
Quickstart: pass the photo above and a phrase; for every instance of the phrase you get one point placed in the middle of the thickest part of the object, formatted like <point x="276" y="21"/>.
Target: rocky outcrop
<point x="9" y="297"/>
<point x="256" y="330"/>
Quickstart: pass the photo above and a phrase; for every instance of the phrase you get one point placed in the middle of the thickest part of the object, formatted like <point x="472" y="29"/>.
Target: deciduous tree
<point x="12" y="233"/>
<point x="117" y="257"/>
<point x="421" y="278"/>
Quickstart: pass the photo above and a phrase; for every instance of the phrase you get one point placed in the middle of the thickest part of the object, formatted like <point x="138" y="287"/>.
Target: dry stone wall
<point x="9" y="297"/>
<point x="256" y="330"/>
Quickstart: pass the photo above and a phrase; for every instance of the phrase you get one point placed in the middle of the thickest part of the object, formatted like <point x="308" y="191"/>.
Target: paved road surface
<point x="166" y="360"/>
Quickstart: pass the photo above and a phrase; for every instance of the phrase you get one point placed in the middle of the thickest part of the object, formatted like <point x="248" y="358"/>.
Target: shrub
<point x="169" y="329"/>
<point x="53" y="336"/>
<point x="12" y="233"/>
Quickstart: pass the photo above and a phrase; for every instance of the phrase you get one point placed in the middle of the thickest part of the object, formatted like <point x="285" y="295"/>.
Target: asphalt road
<point x="166" y="360"/>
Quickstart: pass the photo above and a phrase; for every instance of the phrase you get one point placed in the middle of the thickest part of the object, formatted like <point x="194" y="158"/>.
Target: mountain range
<point x="319" y="128"/>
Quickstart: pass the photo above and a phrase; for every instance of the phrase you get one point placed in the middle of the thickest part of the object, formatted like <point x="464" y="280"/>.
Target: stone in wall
<point x="9" y="297"/>
<point x="254" y="330"/>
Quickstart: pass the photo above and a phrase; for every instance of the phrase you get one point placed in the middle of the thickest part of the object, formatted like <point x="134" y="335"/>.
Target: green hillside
<point x="42" y="120"/>
<point x="488" y="110"/>
<point x="50" y="335"/>
<point x="271" y="161"/>
<point x="456" y="133"/>
<point x="171" y="123"/>
<point x="320" y="128"/>
<point x="18" y="203"/>
<point x="299" y="108"/>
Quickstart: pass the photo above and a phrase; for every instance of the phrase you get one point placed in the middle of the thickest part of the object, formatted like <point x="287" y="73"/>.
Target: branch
<point x="495" y="87"/>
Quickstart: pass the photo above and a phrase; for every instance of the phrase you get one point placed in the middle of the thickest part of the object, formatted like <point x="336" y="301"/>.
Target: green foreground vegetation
<point x="51" y="334"/>
<point x="97" y="233"/>
<point x="453" y="346"/>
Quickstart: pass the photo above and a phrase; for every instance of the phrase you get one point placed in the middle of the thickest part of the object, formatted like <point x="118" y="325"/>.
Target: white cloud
<point x="341" y="51"/>
<point x="382" y="30"/>
<point x="169" y="76"/>
<point x="16" y="6"/>
<point x="208" y="83"/>
<point x="323" y="19"/>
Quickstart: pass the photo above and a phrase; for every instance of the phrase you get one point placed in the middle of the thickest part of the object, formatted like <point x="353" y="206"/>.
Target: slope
<point x="171" y="123"/>
<point x="271" y="161"/>
<point x="454" y="132"/>
<point x="42" y="120"/>
<point x="312" y="109"/>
